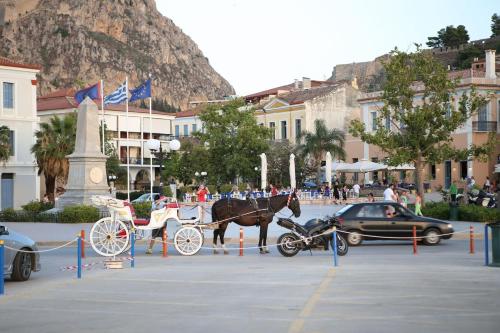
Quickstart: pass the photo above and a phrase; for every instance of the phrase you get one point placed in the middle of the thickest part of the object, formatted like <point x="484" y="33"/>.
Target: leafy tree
<point x="113" y="166"/>
<point x="183" y="165"/>
<point x="466" y="57"/>
<point x="4" y="144"/>
<point x="321" y="141"/>
<point x="234" y="140"/>
<point x="278" y="161"/>
<point x="495" y="25"/>
<point x="421" y="122"/>
<point x="449" y="37"/>
<point x="54" y="140"/>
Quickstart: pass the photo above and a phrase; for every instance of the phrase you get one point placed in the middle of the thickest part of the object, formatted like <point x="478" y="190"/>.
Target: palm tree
<point x="54" y="141"/>
<point x="4" y="144"/>
<point x="319" y="142"/>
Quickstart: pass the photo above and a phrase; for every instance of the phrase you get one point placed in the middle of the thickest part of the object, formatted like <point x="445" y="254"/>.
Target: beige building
<point x="293" y="110"/>
<point x="19" y="182"/>
<point x="475" y="131"/>
<point x="138" y="125"/>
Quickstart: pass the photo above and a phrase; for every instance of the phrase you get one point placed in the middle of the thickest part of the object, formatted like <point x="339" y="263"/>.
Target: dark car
<point x="389" y="219"/>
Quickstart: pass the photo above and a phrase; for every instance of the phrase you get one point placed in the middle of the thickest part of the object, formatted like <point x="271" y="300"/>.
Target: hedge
<point x="79" y="214"/>
<point x="472" y="213"/>
<point x="70" y="214"/>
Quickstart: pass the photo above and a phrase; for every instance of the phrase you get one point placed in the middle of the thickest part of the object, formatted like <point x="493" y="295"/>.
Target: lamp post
<point x="257" y="177"/>
<point x="112" y="179"/>
<point x="161" y="155"/>
<point x="202" y="175"/>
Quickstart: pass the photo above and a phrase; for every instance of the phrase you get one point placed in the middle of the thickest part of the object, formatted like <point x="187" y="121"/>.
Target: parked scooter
<point x="482" y="198"/>
<point x="315" y="233"/>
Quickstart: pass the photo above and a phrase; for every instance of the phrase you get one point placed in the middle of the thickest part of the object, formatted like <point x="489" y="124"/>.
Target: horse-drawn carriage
<point x="110" y="236"/>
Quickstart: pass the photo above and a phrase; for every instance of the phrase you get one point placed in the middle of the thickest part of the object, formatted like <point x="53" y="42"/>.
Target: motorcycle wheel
<point x="342" y="246"/>
<point x="288" y="244"/>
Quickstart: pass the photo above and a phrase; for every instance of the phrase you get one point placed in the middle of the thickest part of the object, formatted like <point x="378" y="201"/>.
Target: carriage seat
<point x="141" y="221"/>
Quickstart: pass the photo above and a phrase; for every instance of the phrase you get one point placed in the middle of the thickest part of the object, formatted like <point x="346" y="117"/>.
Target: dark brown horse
<point x="245" y="213"/>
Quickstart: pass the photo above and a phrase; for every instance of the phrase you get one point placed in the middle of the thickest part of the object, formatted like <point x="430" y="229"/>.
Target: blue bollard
<point x="79" y="255"/>
<point x="2" y="289"/>
<point x="132" y="249"/>
<point x="334" y="247"/>
<point x="486" y="246"/>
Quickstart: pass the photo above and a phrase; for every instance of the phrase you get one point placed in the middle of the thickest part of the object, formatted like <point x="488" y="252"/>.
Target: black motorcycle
<point x="314" y="234"/>
<point x="482" y="198"/>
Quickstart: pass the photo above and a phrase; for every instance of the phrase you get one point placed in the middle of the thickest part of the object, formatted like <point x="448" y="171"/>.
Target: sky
<point x="261" y="44"/>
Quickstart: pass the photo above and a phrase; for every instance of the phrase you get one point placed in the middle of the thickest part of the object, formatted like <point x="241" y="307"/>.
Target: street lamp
<point x="257" y="176"/>
<point x="201" y="174"/>
<point x="155" y="147"/>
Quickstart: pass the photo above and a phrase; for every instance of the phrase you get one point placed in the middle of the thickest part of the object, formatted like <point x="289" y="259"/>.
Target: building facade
<point x="19" y="182"/>
<point x="140" y="129"/>
<point x="476" y="131"/>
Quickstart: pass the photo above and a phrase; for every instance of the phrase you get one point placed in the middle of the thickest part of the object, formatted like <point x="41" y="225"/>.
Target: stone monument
<point x="87" y="164"/>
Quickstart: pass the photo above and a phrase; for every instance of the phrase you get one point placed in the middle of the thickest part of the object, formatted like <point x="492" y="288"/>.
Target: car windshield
<point x="342" y="210"/>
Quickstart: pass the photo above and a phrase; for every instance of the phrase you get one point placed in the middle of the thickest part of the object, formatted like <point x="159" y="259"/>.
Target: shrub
<point x="478" y="214"/>
<point x="225" y="188"/>
<point x="212" y="189"/>
<point x="37" y="206"/>
<point x="79" y="214"/>
<point x="166" y="191"/>
<point x="438" y="210"/>
<point x="142" y="209"/>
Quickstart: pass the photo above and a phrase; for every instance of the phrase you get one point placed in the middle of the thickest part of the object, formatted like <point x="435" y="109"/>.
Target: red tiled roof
<point x="191" y="112"/>
<point x="289" y="87"/>
<point x="300" y="96"/>
<point x="10" y="63"/>
<point x="64" y="99"/>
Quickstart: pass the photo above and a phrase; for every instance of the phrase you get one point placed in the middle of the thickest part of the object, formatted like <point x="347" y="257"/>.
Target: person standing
<point x="345" y="190"/>
<point x="356" y="189"/>
<point x="274" y="190"/>
<point x="202" y="194"/>
<point x="159" y="203"/>
<point x="418" y="205"/>
<point x="487" y="185"/>
<point x="371" y="198"/>
<point x="389" y="194"/>
<point x="453" y="192"/>
<point x="404" y="199"/>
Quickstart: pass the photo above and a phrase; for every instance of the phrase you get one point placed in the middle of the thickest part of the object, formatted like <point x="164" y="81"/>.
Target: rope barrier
<point x="42" y="251"/>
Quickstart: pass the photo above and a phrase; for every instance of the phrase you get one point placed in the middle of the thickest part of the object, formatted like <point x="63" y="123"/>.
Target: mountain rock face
<point x="369" y="74"/>
<point x="80" y="42"/>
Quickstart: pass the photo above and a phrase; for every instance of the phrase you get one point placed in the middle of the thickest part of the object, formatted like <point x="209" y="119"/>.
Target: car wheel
<point x="354" y="238"/>
<point x="21" y="268"/>
<point x="432" y="237"/>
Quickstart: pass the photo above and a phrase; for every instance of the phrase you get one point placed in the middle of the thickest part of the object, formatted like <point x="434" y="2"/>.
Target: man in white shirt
<point x="389" y="193"/>
<point x="356" y="190"/>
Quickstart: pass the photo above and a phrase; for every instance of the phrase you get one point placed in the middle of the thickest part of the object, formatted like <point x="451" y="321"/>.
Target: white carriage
<point x="110" y="236"/>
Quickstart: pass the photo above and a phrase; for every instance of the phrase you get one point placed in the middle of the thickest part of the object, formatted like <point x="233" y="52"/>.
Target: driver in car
<point x="390" y="212"/>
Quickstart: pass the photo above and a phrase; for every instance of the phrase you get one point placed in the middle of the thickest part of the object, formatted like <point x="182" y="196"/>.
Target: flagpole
<point x="128" y="153"/>
<point x="151" y="155"/>
<point x="102" y="111"/>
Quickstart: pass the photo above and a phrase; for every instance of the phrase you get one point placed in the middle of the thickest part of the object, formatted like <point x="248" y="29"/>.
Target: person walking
<point x="356" y="189"/>
<point x="404" y="199"/>
<point x="487" y="185"/>
<point x="389" y="194"/>
<point x="159" y="203"/>
<point x="418" y="205"/>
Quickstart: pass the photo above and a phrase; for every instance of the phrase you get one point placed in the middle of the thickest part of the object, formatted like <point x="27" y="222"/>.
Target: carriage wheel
<point x="188" y="241"/>
<point x="109" y="237"/>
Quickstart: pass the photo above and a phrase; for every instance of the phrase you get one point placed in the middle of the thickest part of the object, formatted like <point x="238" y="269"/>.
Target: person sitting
<point x="371" y="198"/>
<point x="390" y="211"/>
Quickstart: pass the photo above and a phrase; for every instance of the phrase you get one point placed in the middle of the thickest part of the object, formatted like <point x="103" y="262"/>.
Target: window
<point x="298" y="128"/>
<point x="8" y="95"/>
<point x="194" y="128"/>
<point x="373" y="211"/>
<point x="448" y="110"/>
<point x="272" y="126"/>
<point x="374" y="121"/>
<point x="12" y="145"/>
<point x="283" y="129"/>
<point x="463" y="169"/>
<point x="186" y="130"/>
<point x="356" y="174"/>
<point x="432" y="171"/>
<point x="177" y="132"/>
<point x="388" y="122"/>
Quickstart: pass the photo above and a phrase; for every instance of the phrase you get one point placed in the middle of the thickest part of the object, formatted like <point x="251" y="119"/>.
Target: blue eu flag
<point x="141" y="92"/>
<point x="93" y="92"/>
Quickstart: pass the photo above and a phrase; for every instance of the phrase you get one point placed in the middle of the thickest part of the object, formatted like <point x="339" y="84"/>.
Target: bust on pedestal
<point x="87" y="164"/>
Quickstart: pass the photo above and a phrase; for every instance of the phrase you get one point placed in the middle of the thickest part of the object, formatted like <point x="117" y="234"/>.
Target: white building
<point x="187" y="122"/>
<point x="62" y="102"/>
<point x="19" y="182"/>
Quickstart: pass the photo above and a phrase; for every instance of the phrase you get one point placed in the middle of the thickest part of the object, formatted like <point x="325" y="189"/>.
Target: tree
<point x="495" y="25"/>
<point x="183" y="165"/>
<point x="421" y="122"/>
<point x="54" y="141"/>
<point x="278" y="162"/>
<point x="321" y="141"/>
<point x="466" y="56"/>
<point x="234" y="140"/>
<point x="4" y="144"/>
<point x="449" y="37"/>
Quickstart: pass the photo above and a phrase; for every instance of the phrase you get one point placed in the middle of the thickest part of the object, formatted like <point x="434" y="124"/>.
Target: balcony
<point x="484" y="126"/>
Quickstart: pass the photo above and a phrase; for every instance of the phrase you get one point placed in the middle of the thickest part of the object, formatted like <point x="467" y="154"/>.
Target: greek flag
<point x="118" y="96"/>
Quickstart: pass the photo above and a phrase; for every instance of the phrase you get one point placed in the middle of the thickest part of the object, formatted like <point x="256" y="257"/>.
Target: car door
<point x="399" y="224"/>
<point x="370" y="219"/>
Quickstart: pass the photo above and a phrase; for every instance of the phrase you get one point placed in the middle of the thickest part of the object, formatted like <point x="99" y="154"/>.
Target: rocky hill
<point x="79" y="42"/>
<point x="369" y="74"/>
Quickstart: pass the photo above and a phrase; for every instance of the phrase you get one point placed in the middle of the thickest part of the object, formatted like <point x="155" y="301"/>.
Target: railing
<point x="484" y="126"/>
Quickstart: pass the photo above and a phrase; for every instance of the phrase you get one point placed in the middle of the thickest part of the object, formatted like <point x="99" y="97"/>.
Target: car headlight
<point x="450" y="226"/>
